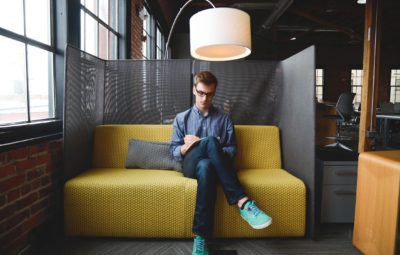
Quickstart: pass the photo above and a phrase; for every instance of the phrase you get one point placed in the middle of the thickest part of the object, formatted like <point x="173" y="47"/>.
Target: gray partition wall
<point x="254" y="92"/>
<point x="83" y="108"/>
<point x="297" y="122"/>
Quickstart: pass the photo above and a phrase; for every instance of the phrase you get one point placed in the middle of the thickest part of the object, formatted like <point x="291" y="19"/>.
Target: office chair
<point x="344" y="116"/>
<point x="387" y="108"/>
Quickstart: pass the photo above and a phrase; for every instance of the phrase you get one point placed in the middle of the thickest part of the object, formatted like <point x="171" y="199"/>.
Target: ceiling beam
<point x="327" y="24"/>
<point x="281" y="7"/>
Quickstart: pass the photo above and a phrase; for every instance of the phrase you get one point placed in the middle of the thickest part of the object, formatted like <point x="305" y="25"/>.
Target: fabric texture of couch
<point x="110" y="200"/>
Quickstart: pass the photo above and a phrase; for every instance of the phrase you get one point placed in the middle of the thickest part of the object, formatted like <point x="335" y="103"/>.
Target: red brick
<point x="2" y="200"/>
<point x="13" y="195"/>
<point x="3" y="158"/>
<point x="2" y="228"/>
<point x="35" y="184"/>
<point x="6" y="171"/>
<point x="7" y="211"/>
<point x="35" y="221"/>
<point x="35" y="173"/>
<point x="43" y="159"/>
<point x="56" y="146"/>
<point x="27" y="201"/>
<point x="44" y="203"/>
<point x="25" y="189"/>
<point x="45" y="180"/>
<point x="45" y="191"/>
<point x="27" y="164"/>
<point x="11" y="183"/>
<point x="18" y="154"/>
<point x="17" y="219"/>
<point x="38" y="148"/>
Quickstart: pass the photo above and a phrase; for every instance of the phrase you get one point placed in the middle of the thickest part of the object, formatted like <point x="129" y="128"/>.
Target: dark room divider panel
<point x="83" y="108"/>
<point x="297" y="122"/>
<point x="248" y="90"/>
<point x="146" y="91"/>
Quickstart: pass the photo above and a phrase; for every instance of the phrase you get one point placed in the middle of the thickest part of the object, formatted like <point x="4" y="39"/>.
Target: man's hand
<point x="189" y="141"/>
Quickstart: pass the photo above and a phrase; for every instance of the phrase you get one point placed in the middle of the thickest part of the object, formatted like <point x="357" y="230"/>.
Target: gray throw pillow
<point x="150" y="155"/>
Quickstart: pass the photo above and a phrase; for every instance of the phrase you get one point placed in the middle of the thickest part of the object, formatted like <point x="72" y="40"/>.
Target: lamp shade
<point x="220" y="34"/>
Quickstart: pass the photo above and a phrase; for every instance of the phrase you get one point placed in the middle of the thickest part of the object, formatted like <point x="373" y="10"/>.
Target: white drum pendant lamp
<point x="220" y="34"/>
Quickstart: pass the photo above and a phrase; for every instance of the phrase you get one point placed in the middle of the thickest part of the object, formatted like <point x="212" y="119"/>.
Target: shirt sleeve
<point x="230" y="147"/>
<point x="177" y="140"/>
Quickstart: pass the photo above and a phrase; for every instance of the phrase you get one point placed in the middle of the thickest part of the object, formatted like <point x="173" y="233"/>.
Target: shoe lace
<point x="253" y="209"/>
<point x="199" y="244"/>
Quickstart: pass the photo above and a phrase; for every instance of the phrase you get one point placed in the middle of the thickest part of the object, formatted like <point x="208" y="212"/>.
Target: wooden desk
<point x="324" y="126"/>
<point x="377" y="202"/>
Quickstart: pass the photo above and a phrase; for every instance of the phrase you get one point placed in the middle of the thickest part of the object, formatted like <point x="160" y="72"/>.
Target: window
<point x="319" y="83"/>
<point x="99" y="26"/>
<point x="356" y="84"/>
<point x="147" y="33"/>
<point x="152" y="37"/>
<point x="26" y="61"/>
<point x="395" y="86"/>
<point x="160" y="44"/>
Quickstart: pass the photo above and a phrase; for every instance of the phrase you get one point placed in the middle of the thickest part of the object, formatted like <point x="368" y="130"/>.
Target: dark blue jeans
<point x="207" y="163"/>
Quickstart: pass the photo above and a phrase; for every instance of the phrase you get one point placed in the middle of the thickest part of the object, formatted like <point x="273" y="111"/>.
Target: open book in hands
<point x="197" y="142"/>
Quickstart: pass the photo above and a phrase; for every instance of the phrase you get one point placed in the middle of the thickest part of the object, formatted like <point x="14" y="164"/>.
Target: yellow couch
<point x="109" y="200"/>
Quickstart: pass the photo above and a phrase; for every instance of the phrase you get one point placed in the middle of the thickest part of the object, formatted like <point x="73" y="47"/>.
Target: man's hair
<point x="205" y="77"/>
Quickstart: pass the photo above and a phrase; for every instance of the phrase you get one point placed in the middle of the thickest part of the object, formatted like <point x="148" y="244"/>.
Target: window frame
<point x="109" y="28"/>
<point x="150" y="36"/>
<point x="18" y="134"/>
<point x="394" y="86"/>
<point x="321" y="86"/>
<point x="354" y="87"/>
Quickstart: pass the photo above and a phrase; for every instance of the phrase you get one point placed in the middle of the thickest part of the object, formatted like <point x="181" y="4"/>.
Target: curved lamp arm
<point x="173" y="24"/>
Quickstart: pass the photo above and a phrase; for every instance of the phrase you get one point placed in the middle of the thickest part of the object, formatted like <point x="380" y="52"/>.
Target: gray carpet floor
<point x="334" y="239"/>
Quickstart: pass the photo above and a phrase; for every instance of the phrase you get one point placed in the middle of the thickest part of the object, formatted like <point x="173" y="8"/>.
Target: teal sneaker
<point x="254" y="216"/>
<point x="199" y="246"/>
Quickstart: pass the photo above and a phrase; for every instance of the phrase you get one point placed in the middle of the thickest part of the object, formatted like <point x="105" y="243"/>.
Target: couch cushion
<point x="111" y="142"/>
<point x="142" y="203"/>
<point x="121" y="202"/>
<point x="277" y="192"/>
<point x="258" y="147"/>
<point x="150" y="155"/>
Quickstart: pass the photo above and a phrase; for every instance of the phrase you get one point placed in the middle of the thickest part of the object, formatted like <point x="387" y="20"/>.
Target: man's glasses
<point x="204" y="94"/>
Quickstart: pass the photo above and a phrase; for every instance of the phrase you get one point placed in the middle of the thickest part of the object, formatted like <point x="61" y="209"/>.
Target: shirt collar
<point x="196" y="110"/>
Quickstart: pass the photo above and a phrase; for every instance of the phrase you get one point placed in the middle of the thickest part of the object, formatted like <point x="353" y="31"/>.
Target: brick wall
<point x="28" y="179"/>
<point x="136" y="30"/>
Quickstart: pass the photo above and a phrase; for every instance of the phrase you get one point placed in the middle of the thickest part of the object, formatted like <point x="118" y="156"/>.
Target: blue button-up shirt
<point x="192" y="122"/>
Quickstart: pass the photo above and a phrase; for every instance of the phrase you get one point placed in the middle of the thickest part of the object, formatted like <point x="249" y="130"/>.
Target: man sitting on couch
<point x="204" y="139"/>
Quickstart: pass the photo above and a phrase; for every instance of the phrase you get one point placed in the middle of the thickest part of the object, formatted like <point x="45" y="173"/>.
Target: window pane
<point x="38" y="20"/>
<point x="41" y="93"/>
<point x="12" y="16"/>
<point x="13" y="103"/>
<point x="83" y="30"/>
<point x="103" y="10"/>
<point x="91" y="5"/>
<point x="103" y="42"/>
<point x="113" y="46"/>
<point x="114" y="14"/>
<point x="91" y="35"/>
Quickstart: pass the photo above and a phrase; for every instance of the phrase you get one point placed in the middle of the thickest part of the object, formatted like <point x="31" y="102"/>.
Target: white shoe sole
<point x="266" y="224"/>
